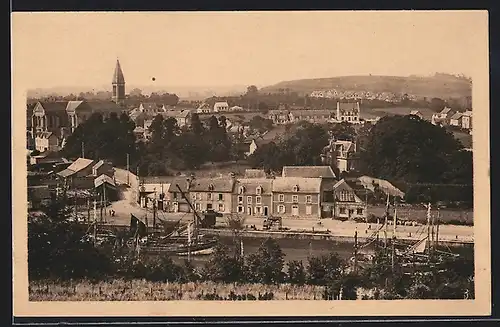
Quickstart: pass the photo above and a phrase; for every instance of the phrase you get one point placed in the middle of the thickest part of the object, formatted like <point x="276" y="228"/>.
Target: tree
<point x="342" y="131"/>
<point x="222" y="267"/>
<point x="437" y="104"/>
<point x="296" y="272"/>
<point x="266" y="265"/>
<point x="408" y="149"/>
<point x="325" y="269"/>
<point x="196" y="125"/>
<point x="252" y="91"/>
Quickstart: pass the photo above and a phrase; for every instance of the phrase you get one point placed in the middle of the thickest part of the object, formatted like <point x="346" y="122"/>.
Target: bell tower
<point x="118" y="84"/>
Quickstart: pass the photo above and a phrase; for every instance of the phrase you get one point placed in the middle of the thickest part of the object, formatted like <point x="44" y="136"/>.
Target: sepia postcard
<point x="295" y="163"/>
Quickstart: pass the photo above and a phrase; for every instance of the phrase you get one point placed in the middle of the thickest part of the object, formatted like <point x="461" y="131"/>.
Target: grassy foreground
<point x="140" y="290"/>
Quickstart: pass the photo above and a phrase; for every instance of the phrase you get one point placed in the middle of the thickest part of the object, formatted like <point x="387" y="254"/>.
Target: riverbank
<point x="141" y="290"/>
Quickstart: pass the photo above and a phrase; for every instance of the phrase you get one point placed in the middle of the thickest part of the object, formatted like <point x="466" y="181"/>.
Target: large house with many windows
<point x="297" y="197"/>
<point x="253" y="197"/>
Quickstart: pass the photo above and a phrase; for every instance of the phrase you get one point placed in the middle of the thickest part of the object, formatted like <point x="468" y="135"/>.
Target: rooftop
<point x="305" y="185"/>
<point x="308" y="171"/>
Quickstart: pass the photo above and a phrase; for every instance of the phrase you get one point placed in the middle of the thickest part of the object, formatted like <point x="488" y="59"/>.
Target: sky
<point x="241" y="48"/>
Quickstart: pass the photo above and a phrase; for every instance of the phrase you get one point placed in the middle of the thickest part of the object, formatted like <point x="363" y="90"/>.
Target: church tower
<point x="118" y="84"/>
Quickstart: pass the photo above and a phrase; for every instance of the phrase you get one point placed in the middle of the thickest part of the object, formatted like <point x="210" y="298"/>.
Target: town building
<point x="150" y="109"/>
<point x="47" y="141"/>
<point x="308" y="172"/>
<point x="340" y="154"/>
<point x="253" y="197"/>
<point x="82" y="173"/>
<point x="349" y="112"/>
<point x="280" y="116"/>
<point x="442" y="117"/>
<point x="317" y="116"/>
<point x="417" y="113"/>
<point x="183" y="117"/>
<point x="255" y="173"/>
<point x="296" y="197"/>
<point x="118" y="84"/>
<point x="340" y="201"/>
<point x="467" y="120"/>
<point x="456" y="119"/>
<point x="156" y="188"/>
<point x="221" y="106"/>
<point x="212" y="194"/>
<point x="176" y="201"/>
<point x="204" y="108"/>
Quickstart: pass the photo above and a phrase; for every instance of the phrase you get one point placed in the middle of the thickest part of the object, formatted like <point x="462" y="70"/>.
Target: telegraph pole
<point x="128" y="170"/>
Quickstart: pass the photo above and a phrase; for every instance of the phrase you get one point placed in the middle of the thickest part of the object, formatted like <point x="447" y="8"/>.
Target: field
<point x="441" y="85"/>
<point x="465" y="138"/>
<point x="140" y="290"/>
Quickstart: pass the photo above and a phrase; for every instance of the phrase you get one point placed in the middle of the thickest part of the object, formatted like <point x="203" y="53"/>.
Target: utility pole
<point x="393" y="241"/>
<point x="83" y="149"/>
<point x="154" y="209"/>
<point x="385" y="222"/>
<point x="428" y="222"/>
<point x="356" y="250"/>
<point x="437" y="231"/>
<point x="128" y="170"/>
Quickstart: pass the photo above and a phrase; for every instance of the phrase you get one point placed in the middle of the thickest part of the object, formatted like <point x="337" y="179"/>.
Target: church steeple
<point x="118" y="84"/>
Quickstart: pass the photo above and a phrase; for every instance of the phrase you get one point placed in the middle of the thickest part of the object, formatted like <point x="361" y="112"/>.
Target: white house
<point x="348" y="112"/>
<point x="467" y="120"/>
<point x="441" y="117"/>
<point x="204" y="108"/>
<point x="456" y="119"/>
<point x="221" y="106"/>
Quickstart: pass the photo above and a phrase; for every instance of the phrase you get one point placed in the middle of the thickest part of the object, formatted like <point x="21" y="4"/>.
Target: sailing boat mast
<point x="385" y="221"/>
<point x="356" y="250"/>
<point x="429" y="222"/>
<point x="393" y="253"/>
<point x="437" y="230"/>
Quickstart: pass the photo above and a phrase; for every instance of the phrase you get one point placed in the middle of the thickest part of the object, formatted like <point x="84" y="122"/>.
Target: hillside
<point x="439" y="85"/>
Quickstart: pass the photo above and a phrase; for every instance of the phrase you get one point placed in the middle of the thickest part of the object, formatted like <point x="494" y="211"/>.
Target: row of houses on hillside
<point x="448" y="117"/>
<point x="220" y="106"/>
<point x="307" y="192"/>
<point x="361" y="95"/>
<point x="50" y="123"/>
<point x="348" y="112"/>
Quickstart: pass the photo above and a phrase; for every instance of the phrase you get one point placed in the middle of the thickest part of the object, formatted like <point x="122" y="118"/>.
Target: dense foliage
<point x="56" y="251"/>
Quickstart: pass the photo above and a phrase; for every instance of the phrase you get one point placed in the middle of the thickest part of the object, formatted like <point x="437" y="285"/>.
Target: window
<point x="198" y="206"/>
<point x="241" y="190"/>
<point x="221" y="197"/>
<point x="281" y="208"/>
<point x="359" y="211"/>
<point x="258" y="200"/>
<point x="175" y="195"/>
<point x="258" y="210"/>
<point x="296" y="188"/>
<point x="249" y="210"/>
<point x="295" y="198"/>
<point x="194" y="196"/>
<point x="308" y="199"/>
<point x="221" y="207"/>
<point x="209" y="196"/>
<point x="282" y="198"/>
<point x="308" y="210"/>
<point x="211" y="187"/>
<point x="249" y="199"/>
<point x="209" y="206"/>
<point x="198" y="196"/>
<point x="240" y="199"/>
<point x="258" y="190"/>
<point x="240" y="209"/>
<point x="342" y="210"/>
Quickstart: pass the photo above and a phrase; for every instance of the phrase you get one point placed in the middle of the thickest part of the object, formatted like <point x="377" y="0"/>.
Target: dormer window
<point x="258" y="190"/>
<point x="211" y="187"/>
<point x="296" y="188"/>
<point x="241" y="190"/>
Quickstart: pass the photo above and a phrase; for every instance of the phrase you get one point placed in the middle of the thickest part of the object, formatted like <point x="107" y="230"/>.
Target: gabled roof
<point x="342" y="185"/>
<point x="139" y="129"/>
<point x="66" y="173"/>
<point x="102" y="106"/>
<point x="305" y="185"/>
<point x="118" y="77"/>
<point x="255" y="173"/>
<point x="347" y="106"/>
<point x="346" y="145"/>
<point x="72" y="105"/>
<point x="385" y="186"/>
<point x="308" y="171"/>
<point x="221" y="103"/>
<point x="104" y="179"/>
<point x="221" y="184"/>
<point x="250" y="185"/>
<point x="445" y="110"/>
<point x="44" y="135"/>
<point x="80" y="164"/>
<point x="468" y="113"/>
<point x="176" y="113"/>
<point x="56" y="106"/>
<point x="151" y="106"/>
<point x="98" y="164"/>
<point x="456" y="115"/>
<point x="181" y="181"/>
<point x="415" y="112"/>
